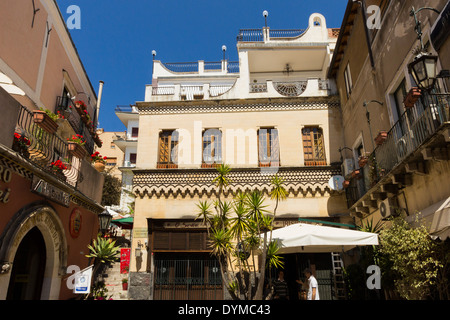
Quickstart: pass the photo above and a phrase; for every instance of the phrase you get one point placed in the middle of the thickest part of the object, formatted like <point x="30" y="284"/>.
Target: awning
<point x="124" y="223"/>
<point x="436" y="219"/>
<point x="301" y="237"/>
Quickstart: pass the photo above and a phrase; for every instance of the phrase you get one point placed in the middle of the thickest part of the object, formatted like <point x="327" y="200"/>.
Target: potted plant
<point x="125" y="283"/>
<point x="362" y="160"/>
<point x="98" y="161"/>
<point x="80" y="106"/>
<point x="381" y="137"/>
<point x="57" y="168"/>
<point x="75" y="146"/>
<point x="46" y="120"/>
<point x="412" y="97"/>
<point x="21" y="144"/>
<point x="355" y="173"/>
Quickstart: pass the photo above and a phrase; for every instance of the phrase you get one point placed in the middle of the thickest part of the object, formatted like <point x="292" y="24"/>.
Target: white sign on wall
<point x="83" y="281"/>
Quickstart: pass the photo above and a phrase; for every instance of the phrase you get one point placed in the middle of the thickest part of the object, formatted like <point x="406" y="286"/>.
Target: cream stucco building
<point x="272" y="112"/>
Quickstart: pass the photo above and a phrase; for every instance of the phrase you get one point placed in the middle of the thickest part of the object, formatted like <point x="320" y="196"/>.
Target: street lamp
<point x="104" y="220"/>
<point x="265" y="15"/>
<point x="423" y="68"/>
<point x="153" y="54"/>
<point x="224" y="49"/>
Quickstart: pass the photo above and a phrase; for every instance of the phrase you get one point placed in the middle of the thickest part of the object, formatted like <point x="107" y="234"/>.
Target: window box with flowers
<point x="46" y="120"/>
<point x="21" y="144"/>
<point x="98" y="161"/>
<point x="57" y="167"/>
<point x="75" y="146"/>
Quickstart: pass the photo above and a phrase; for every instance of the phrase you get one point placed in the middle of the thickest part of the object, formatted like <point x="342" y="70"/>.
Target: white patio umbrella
<point x="302" y="237"/>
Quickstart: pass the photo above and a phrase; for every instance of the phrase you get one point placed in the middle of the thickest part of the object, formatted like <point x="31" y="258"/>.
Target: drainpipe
<point x="366" y="30"/>
<point x="100" y="91"/>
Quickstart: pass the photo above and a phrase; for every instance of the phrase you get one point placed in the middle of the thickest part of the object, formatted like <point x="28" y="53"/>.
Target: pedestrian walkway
<point x="113" y="282"/>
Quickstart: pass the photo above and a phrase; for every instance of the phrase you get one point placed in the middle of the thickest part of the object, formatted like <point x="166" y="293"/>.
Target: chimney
<point x="100" y="91"/>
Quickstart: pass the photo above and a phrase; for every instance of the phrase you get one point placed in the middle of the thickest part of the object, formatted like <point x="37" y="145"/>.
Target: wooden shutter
<point x="313" y="147"/>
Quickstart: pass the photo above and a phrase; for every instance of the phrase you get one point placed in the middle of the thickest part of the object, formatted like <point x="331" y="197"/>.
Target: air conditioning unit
<point x="387" y="208"/>
<point x="348" y="165"/>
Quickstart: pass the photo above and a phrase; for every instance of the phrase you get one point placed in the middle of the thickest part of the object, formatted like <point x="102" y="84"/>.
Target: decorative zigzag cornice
<point x="298" y="181"/>
<point x="220" y="106"/>
<point x="15" y="166"/>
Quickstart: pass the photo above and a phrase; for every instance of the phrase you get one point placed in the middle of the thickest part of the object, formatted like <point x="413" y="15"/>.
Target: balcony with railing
<point x="418" y="135"/>
<point x="266" y="34"/>
<point x="202" y="67"/>
<point x="66" y="107"/>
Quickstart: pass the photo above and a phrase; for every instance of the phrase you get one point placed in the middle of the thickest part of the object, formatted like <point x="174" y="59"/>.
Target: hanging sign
<point x="125" y="260"/>
<point x="83" y="281"/>
<point x="50" y="191"/>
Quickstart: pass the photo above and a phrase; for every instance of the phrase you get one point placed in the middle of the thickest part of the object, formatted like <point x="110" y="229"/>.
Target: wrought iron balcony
<point x="410" y="134"/>
<point x="194" y="67"/>
<point x="257" y="35"/>
<point x="66" y="107"/>
<point x="43" y="149"/>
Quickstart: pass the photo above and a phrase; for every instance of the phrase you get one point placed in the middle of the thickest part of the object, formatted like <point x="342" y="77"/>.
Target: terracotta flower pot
<point x="363" y="161"/>
<point x="44" y="121"/>
<point x="355" y="173"/>
<point x="99" y="166"/>
<point x="412" y="97"/>
<point x="125" y="285"/>
<point x="381" y="138"/>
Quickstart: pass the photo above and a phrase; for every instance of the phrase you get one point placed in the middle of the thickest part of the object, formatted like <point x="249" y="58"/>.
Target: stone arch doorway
<point x="28" y="268"/>
<point x="42" y="218"/>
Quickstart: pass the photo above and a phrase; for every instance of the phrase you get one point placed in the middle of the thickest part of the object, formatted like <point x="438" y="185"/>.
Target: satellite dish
<point x="336" y="183"/>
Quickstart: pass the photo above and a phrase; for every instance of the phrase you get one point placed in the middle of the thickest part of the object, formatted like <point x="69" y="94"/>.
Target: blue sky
<point x="117" y="37"/>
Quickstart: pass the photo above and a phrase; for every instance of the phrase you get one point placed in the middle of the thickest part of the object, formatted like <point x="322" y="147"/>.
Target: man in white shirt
<point x="313" y="286"/>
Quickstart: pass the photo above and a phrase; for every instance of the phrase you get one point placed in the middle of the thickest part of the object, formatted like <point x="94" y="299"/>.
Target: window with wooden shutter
<point x="168" y="143"/>
<point x="268" y="147"/>
<point x="179" y="241"/>
<point x="313" y="146"/>
<point x="212" y="148"/>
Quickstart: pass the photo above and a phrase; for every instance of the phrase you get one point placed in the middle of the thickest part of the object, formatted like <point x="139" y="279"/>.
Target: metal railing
<point x="286" y="33"/>
<point x="187" y="280"/>
<point x="42" y="148"/>
<point x="182" y="66"/>
<point x="414" y="127"/>
<point x="257" y="35"/>
<point x="250" y="35"/>
<point x="213" y="66"/>
<point x="233" y="67"/>
<point x="193" y="67"/>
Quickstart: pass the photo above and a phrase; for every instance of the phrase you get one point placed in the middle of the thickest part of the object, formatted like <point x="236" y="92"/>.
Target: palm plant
<point x="248" y="226"/>
<point x="273" y="260"/>
<point x="277" y="193"/>
<point x="204" y="213"/>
